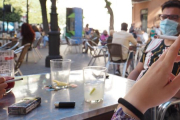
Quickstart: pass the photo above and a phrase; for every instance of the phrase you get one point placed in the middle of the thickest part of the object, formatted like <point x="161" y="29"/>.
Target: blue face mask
<point x="169" y="27"/>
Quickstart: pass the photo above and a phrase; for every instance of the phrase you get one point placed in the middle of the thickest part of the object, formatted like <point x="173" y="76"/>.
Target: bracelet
<point x="131" y="108"/>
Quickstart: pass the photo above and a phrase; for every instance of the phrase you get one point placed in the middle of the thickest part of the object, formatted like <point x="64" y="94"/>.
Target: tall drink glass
<point x="94" y="80"/>
<point x="60" y="69"/>
<point x="7" y="66"/>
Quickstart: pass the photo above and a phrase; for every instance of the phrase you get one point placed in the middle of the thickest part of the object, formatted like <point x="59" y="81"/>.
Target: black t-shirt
<point x="154" y="55"/>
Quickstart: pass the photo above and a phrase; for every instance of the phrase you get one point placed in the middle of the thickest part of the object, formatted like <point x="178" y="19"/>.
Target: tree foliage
<point x="14" y="16"/>
<point x="35" y="15"/>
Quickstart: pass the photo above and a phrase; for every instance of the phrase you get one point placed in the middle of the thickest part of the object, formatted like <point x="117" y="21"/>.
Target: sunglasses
<point x="171" y="17"/>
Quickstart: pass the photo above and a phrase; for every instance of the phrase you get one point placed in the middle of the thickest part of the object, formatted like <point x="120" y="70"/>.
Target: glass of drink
<point x="60" y="69"/>
<point x="7" y="67"/>
<point x="94" y="80"/>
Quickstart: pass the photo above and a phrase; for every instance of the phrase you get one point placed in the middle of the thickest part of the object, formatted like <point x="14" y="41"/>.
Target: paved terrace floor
<point x="79" y="61"/>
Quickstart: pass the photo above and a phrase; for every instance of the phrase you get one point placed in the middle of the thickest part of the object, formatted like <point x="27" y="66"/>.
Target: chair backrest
<point x="97" y="40"/>
<point x="67" y="40"/>
<point x="36" y="43"/>
<point x="5" y="45"/>
<point x="13" y="45"/>
<point x="24" y="50"/>
<point x="115" y="50"/>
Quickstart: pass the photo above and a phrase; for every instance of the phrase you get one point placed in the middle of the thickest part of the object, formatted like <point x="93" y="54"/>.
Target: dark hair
<point x="27" y="33"/>
<point x="34" y="27"/>
<point x="97" y="32"/>
<point x="124" y="26"/>
<point x="171" y="3"/>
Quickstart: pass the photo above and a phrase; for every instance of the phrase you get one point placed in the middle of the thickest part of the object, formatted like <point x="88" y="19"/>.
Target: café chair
<point x="162" y="109"/>
<point x="72" y="43"/>
<point x="94" y="51"/>
<point x="22" y="51"/>
<point x="35" y="45"/>
<point x="115" y="50"/>
<point x="12" y="45"/>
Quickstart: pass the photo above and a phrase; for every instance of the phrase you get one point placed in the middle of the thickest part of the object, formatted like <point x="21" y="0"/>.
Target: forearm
<point x="133" y="75"/>
<point x="177" y="95"/>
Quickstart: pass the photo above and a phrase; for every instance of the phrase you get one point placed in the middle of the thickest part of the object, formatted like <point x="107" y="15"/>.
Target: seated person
<point x="93" y="36"/>
<point x="143" y="95"/>
<point x="109" y="40"/>
<point x="45" y="39"/>
<point x="104" y="37"/>
<point x="169" y="17"/>
<point x="124" y="38"/>
<point x="37" y="33"/>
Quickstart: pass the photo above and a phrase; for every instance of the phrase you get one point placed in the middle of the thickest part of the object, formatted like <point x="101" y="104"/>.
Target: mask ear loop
<point x="178" y="28"/>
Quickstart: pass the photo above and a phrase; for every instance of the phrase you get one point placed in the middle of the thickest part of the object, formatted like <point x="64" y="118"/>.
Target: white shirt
<point x="37" y="35"/>
<point x="158" y="31"/>
<point x="123" y="38"/>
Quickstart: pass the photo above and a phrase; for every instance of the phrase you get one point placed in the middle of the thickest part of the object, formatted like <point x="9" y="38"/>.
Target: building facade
<point x="145" y="13"/>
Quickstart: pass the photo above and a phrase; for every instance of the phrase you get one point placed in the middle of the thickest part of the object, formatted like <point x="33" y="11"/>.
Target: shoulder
<point x="154" y="44"/>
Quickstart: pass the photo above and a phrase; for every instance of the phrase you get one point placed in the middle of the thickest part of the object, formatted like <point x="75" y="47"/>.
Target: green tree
<point x="110" y="11"/>
<point x="14" y="16"/>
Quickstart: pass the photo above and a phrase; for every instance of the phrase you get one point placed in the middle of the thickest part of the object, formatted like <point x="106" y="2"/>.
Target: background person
<point x="27" y="34"/>
<point x="37" y="32"/>
<point x="124" y="38"/>
<point x="152" y="33"/>
<point x="109" y="40"/>
<point x="104" y="37"/>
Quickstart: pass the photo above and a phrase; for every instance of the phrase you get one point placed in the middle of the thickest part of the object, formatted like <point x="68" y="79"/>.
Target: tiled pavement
<point x="79" y="61"/>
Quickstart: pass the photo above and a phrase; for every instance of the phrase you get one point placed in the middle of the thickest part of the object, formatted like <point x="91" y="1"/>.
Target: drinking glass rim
<point x="62" y="60"/>
<point x="88" y="67"/>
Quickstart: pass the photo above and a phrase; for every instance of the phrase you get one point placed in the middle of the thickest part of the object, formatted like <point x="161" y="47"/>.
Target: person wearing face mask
<point x="104" y="37"/>
<point x="170" y="20"/>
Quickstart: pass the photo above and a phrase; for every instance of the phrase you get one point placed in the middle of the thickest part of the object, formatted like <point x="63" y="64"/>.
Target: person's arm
<point x="177" y="95"/>
<point x="3" y="85"/>
<point x="135" y="73"/>
<point x="132" y="40"/>
<point x="156" y="86"/>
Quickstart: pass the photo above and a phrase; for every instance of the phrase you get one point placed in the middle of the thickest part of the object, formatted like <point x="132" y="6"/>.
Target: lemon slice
<point x="59" y="83"/>
<point x="92" y="91"/>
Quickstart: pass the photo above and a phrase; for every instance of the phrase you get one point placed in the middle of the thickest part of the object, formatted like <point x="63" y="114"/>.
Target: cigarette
<point x="168" y="37"/>
<point x="9" y="81"/>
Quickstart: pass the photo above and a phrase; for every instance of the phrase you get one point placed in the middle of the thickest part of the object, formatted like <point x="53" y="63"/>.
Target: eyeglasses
<point x="172" y="17"/>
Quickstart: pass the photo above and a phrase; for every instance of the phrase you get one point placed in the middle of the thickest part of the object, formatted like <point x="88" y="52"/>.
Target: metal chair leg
<point x="19" y="72"/>
<point x="66" y="49"/>
<point x="90" y="61"/>
<point x="37" y="53"/>
<point x="124" y="69"/>
<point x="33" y="55"/>
<point x="114" y="68"/>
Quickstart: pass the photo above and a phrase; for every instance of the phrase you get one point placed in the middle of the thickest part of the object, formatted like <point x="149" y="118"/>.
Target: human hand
<point x="158" y="85"/>
<point x="3" y="85"/>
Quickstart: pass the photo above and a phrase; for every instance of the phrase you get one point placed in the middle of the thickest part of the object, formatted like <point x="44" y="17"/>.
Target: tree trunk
<point x="44" y="16"/>
<point x="110" y="11"/>
<point x="27" y="12"/>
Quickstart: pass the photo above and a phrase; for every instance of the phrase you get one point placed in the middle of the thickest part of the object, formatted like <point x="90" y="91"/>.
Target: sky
<point x="96" y="15"/>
